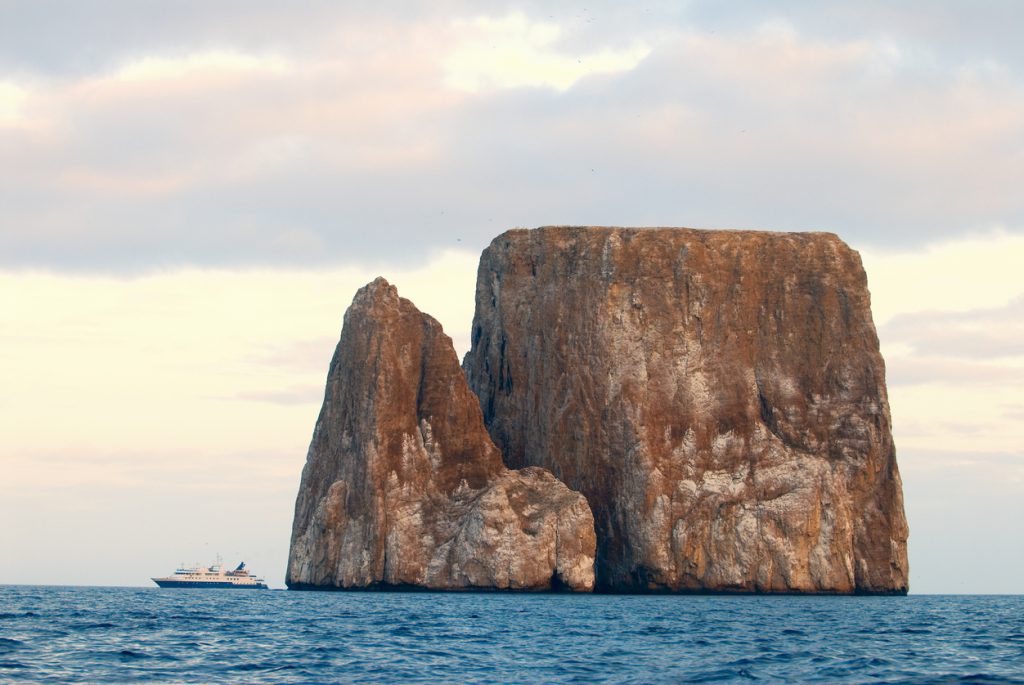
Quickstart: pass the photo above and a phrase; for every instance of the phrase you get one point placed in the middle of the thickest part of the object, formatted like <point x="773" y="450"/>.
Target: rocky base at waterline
<point x="718" y="396"/>
<point x="403" y="487"/>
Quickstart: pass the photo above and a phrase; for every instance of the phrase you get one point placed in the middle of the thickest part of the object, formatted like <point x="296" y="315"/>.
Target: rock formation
<point x="403" y="486"/>
<point x="718" y="396"/>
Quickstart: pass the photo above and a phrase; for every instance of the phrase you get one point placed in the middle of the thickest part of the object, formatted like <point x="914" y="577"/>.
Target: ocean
<point x="149" y="635"/>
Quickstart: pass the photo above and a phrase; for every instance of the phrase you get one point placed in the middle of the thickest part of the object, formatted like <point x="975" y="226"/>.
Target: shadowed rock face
<point x="718" y="396"/>
<point x="404" y="487"/>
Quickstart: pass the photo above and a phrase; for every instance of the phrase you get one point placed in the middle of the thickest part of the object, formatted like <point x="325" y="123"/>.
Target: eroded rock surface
<point x="404" y="487"/>
<point x="718" y="396"/>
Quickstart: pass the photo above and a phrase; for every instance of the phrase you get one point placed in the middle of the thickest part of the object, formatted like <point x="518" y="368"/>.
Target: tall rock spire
<point x="403" y="486"/>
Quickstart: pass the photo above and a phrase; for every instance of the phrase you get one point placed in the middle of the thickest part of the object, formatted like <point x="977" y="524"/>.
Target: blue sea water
<point x="136" y="635"/>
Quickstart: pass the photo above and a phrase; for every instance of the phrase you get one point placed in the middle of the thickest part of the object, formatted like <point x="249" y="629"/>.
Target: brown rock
<point x="402" y="484"/>
<point x="718" y="396"/>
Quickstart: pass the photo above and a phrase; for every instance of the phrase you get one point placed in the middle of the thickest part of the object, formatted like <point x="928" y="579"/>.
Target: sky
<point x="192" y="192"/>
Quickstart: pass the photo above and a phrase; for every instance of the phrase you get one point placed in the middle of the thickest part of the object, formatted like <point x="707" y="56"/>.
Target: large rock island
<point x="718" y="396"/>
<point x="403" y="486"/>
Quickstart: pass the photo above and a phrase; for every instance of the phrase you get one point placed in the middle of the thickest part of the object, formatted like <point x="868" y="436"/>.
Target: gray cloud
<point x="312" y="394"/>
<point x="972" y="335"/>
<point x="61" y="37"/>
<point x="359" y="154"/>
<point x="921" y="371"/>
<point x="1014" y="413"/>
<point x="307" y="355"/>
<point x="943" y="31"/>
<point x="68" y="39"/>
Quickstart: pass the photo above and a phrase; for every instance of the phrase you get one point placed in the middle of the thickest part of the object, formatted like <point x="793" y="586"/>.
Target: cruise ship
<point x="213" y="577"/>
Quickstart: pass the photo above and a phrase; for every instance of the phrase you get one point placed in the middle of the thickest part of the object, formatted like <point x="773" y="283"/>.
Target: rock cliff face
<point x="718" y="396"/>
<point x="403" y="486"/>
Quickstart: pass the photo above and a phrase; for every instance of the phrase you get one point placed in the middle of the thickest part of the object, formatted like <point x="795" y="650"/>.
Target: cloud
<point x="976" y="334"/>
<point x="162" y="68"/>
<point x="151" y="467"/>
<point x="975" y="272"/>
<point x="965" y="418"/>
<point x="305" y="395"/>
<point x="195" y="361"/>
<point x="943" y="32"/>
<point x="301" y="355"/>
<point x="513" y="52"/>
<point x="950" y="322"/>
<point x="910" y="370"/>
<point x="12" y="99"/>
<point x="331" y="146"/>
<point x="1008" y="465"/>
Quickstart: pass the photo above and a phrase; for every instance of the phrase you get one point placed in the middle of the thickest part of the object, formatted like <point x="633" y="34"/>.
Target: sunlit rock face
<point x="718" y="396"/>
<point x="403" y="486"/>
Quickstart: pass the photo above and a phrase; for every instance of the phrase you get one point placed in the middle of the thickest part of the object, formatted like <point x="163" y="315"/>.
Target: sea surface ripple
<point x="136" y="635"/>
